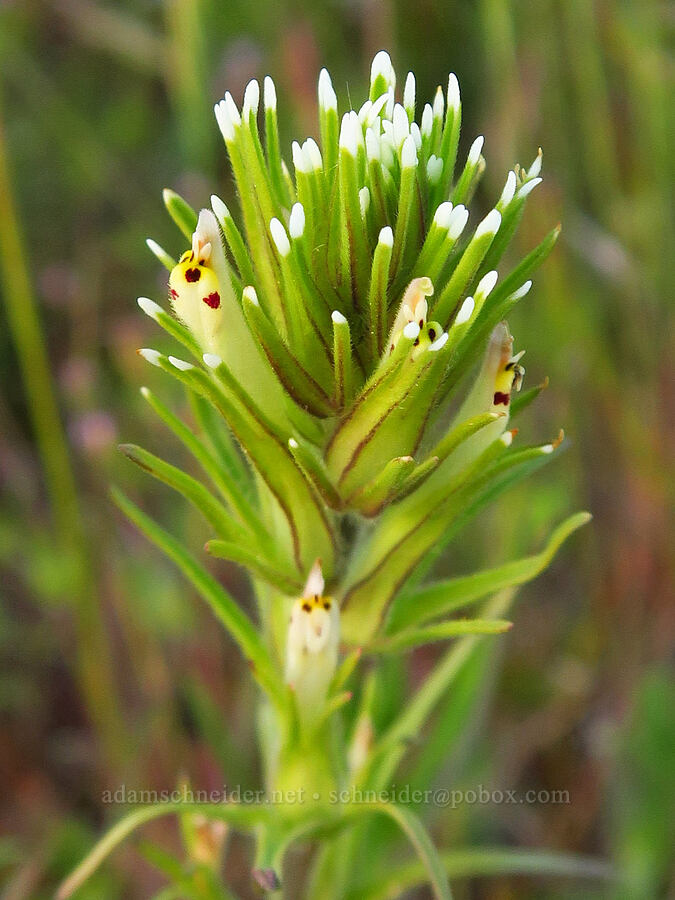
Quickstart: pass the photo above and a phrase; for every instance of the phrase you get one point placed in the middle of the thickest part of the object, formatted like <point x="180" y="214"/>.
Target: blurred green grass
<point x="103" y="106"/>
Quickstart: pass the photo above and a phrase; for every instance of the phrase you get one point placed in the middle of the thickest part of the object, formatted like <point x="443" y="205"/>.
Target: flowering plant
<point x="330" y="340"/>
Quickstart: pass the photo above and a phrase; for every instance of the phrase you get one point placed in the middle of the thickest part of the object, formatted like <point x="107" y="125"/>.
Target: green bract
<point x="329" y="336"/>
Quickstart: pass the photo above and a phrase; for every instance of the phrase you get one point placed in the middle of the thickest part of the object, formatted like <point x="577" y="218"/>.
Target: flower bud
<point x="414" y="307"/>
<point x="312" y="646"/>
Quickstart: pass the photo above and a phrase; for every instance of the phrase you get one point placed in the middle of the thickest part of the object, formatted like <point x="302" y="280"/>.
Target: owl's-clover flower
<point x="352" y="388"/>
<point x="333" y="332"/>
<point x="312" y="645"/>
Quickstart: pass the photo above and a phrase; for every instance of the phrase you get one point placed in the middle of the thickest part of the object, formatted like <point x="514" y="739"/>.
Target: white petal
<point x="280" y="237"/>
<point x="296" y="221"/>
<point x="151" y="356"/>
<point x="386" y="236"/>
<point x="269" y="93"/>
<point x="453" y="92"/>
<point x="149" y="307"/>
<point x="487" y="283"/>
<point x="474" y="151"/>
<point x="251" y="99"/>
<point x="490" y="224"/>
<point x="180" y="364"/>
<point x="465" y="311"/>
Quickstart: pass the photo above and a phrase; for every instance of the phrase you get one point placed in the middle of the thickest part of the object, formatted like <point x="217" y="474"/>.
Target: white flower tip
<point x="535" y="168"/>
<point x="547" y="448"/>
<point x="386" y="236"/>
<point x="338" y="318"/>
<point x="474" y="151"/>
<point x="153" y="246"/>
<point x="453" y="92"/>
<point x="149" y="307"/>
<point x="522" y="290"/>
<point x="315" y="581"/>
<point x="457" y="222"/>
<point x="401" y="124"/>
<point x="145" y="393"/>
<point x="180" y="364"/>
<point x="375" y="108"/>
<point x="490" y="224"/>
<point x="487" y="283"/>
<point x="349" y="136"/>
<point x="293" y="444"/>
<point x="327" y="95"/>
<point x="528" y="187"/>
<point x="296" y="221"/>
<point x="224" y="121"/>
<point x="151" y="356"/>
<point x="280" y="237"/>
<point x="509" y="189"/>
<point x="269" y="93"/>
<point x="411" y="331"/>
<point x="408" y="153"/>
<point x="232" y="110"/>
<point x="507" y="438"/>
<point x="382" y="65"/>
<point x="300" y="161"/>
<point x="439" y="343"/>
<point x="312" y="153"/>
<point x="409" y="91"/>
<point x="427" y="120"/>
<point x="211" y="360"/>
<point x="465" y="311"/>
<point x="364" y="201"/>
<point x="251" y="98"/>
<point x="219" y="208"/>
<point x="250" y="294"/>
<point x="439" y="103"/>
<point x="443" y="213"/>
<point x="434" y="168"/>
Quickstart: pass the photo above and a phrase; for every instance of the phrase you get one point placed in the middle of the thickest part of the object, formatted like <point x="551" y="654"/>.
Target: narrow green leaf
<point x="315" y="469"/>
<point x="244" y="818"/>
<point x="522" y="400"/>
<point x="441" y="631"/>
<point x="343" y="362"/>
<point x="171" y="325"/>
<point x="393" y="744"/>
<point x="235" y="620"/>
<point x="445" y="307"/>
<point x="420" y="840"/>
<point x="375" y="494"/>
<point x="228" y="486"/>
<point x="310" y="531"/>
<point x="444" y="597"/>
<point x="255" y="563"/>
<point x="160" y="253"/>
<point x="194" y="491"/>
<point x="378" y="303"/>
<point x="295" y="379"/>
<point x="181" y="212"/>
<point x="234" y="241"/>
<point x="485" y="861"/>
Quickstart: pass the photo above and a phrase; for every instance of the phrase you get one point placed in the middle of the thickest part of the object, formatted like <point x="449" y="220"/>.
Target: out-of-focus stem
<point x="93" y="662"/>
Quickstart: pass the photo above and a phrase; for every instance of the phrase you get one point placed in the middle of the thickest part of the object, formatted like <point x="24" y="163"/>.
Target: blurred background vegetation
<point x="110" y="669"/>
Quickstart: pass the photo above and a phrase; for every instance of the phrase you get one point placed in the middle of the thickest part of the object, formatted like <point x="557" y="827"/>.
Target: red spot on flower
<point x="173" y="293"/>
<point x="192" y="275"/>
<point x="501" y="398"/>
<point x="213" y="300"/>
